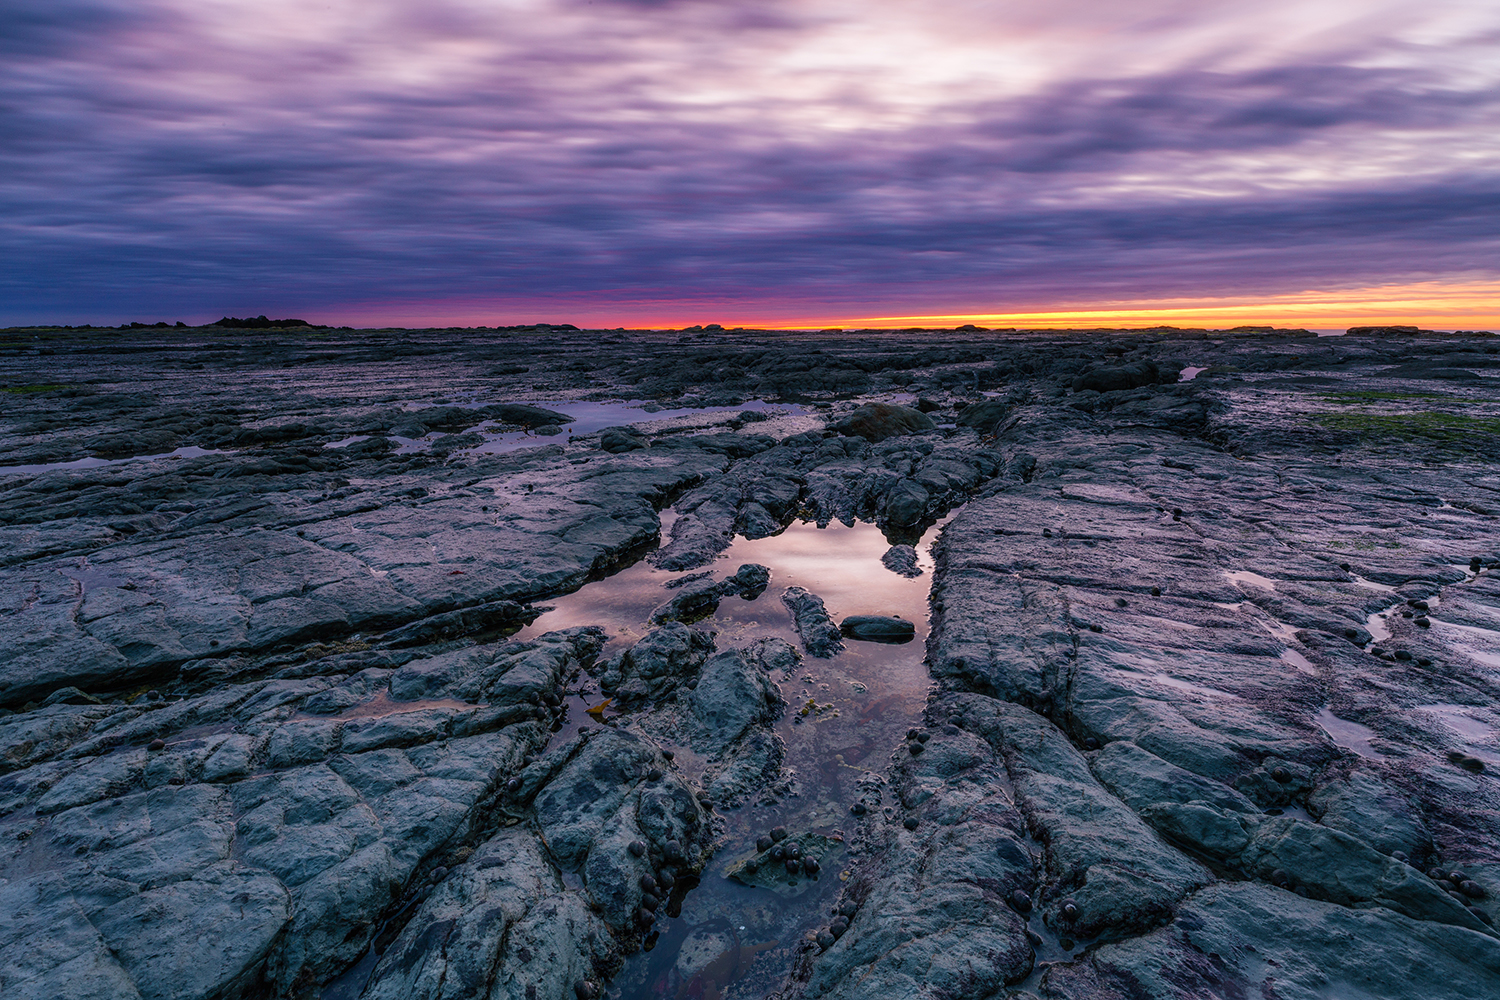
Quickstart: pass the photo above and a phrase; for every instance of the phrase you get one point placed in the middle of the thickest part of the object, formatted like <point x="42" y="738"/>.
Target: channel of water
<point x="866" y="698"/>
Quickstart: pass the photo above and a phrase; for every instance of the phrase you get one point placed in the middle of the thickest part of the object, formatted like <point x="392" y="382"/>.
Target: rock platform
<point x="1215" y="662"/>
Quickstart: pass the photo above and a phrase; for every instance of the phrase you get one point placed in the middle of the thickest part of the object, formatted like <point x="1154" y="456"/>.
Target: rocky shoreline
<point x="1213" y="648"/>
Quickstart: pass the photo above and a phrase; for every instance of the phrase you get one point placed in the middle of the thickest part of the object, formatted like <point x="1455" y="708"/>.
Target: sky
<point x="817" y="163"/>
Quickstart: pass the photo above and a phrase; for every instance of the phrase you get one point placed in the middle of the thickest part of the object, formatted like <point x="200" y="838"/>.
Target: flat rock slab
<point x="878" y="628"/>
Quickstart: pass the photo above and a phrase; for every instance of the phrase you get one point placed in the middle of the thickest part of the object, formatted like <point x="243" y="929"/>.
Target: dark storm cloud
<point x="144" y="176"/>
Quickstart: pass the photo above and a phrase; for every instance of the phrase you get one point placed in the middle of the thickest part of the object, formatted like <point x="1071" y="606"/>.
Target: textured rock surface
<point x="1215" y="703"/>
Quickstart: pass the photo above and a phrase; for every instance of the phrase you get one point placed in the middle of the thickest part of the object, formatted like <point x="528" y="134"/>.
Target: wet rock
<point x="906" y="503"/>
<point x="1121" y="874"/>
<point x="657" y="664"/>
<point x="1316" y="947"/>
<point x="1111" y="379"/>
<point x="984" y="416"/>
<point x="618" y="440"/>
<point x="820" y="636"/>
<point x="902" y="560"/>
<point x="1370" y="809"/>
<point x="1332" y="865"/>
<point x="879" y="421"/>
<point x="878" y="628"/>
<point x="928" y="911"/>
<point x="689" y="604"/>
<point x="503" y="921"/>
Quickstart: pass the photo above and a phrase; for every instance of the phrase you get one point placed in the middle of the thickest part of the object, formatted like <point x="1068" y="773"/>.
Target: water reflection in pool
<point x="869" y="695"/>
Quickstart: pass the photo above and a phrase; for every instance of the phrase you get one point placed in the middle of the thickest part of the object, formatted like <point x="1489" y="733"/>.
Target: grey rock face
<point x="902" y="560"/>
<point x="1318" y="949"/>
<point x="879" y="421"/>
<point x="929" y="905"/>
<point x="820" y="636"/>
<point x="1213" y="666"/>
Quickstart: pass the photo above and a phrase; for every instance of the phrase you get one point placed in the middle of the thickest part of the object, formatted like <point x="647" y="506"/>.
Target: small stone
<point x="653" y="775"/>
<point x="1046" y="532"/>
<point x="915" y="748"/>
<point x="1069" y="910"/>
<point x="1066" y="944"/>
<point x="848" y="908"/>
<point x="1351" y="634"/>
<point x="911" y="734"/>
<point x="1020" y="900"/>
<point x="157" y="744"/>
<point x="439" y="873"/>
<point x="858" y="809"/>
<point x="825" y="939"/>
<point x="810" y="866"/>
<point x="1090" y="743"/>
<point x="1424" y="661"/>
<point x="1402" y="654"/>
<point x="1281" y="775"/>
<point x="763" y="843"/>
<point x="910" y="822"/>
<point x="778" y="834"/>
<point x="637" y="849"/>
<point x="1344" y="566"/>
<point x="1424" y="622"/>
<point x="669" y="755"/>
<point x="1177" y="513"/>
<point x="838" y="927"/>
<point x="923" y="737"/>
<point x="153" y="695"/>
<point x="1120" y="602"/>
<point x="1155" y="591"/>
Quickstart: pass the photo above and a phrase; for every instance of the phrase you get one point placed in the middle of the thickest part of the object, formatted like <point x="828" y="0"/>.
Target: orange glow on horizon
<point x="1429" y="305"/>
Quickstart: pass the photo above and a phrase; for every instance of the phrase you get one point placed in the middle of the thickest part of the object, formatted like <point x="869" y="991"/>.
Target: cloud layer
<point x="173" y="159"/>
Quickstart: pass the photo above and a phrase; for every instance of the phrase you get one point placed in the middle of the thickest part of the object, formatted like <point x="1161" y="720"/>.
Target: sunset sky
<point x="1314" y="163"/>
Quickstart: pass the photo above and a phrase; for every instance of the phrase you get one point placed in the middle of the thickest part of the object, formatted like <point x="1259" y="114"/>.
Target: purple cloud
<point x="174" y="161"/>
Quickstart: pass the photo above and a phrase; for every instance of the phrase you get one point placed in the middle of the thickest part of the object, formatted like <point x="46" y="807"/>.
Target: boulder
<point x="1110" y="379"/>
<point x="878" y="628"/>
<point x="878" y="421"/>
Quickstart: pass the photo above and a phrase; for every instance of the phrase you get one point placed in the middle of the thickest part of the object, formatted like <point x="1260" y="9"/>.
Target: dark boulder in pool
<point x="878" y="628"/>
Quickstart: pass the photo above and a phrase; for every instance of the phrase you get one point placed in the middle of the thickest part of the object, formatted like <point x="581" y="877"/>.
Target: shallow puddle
<point x="592" y="417"/>
<point x="1480" y="738"/>
<point x="863" y="699"/>
<point x="192" y="451"/>
<point x="1349" y="735"/>
<point x="1479" y="644"/>
<point x="1242" y="577"/>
